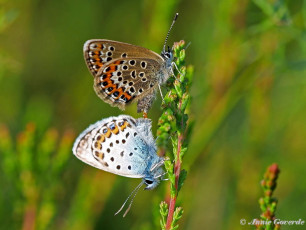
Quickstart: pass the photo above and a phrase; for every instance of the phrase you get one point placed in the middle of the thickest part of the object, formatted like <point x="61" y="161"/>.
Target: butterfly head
<point x="151" y="182"/>
<point x="153" y="178"/>
<point x="167" y="55"/>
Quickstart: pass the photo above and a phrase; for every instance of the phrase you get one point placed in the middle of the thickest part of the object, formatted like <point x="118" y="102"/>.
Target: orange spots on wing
<point x="127" y="96"/>
<point x="117" y="63"/>
<point x="101" y="138"/>
<point x="100" y="155"/>
<point x="108" y="134"/>
<point x="123" y="127"/>
<point x="98" y="145"/>
<point x="115" y="130"/>
<point x="112" y="68"/>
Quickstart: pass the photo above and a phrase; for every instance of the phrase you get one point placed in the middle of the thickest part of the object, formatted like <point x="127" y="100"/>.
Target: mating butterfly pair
<point x="124" y="73"/>
<point x="122" y="145"/>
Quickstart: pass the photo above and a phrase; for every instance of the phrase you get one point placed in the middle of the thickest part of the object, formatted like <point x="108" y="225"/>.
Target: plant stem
<point x="173" y="124"/>
<point x="177" y="170"/>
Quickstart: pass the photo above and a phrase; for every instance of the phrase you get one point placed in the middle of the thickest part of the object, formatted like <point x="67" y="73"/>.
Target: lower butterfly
<point x="124" y="73"/>
<point x="124" y="146"/>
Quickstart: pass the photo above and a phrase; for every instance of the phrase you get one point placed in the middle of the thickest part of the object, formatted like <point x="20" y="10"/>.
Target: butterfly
<point x="124" y="73"/>
<point x="123" y="146"/>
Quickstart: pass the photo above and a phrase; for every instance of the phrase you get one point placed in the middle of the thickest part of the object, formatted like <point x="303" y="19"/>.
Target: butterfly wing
<point x="97" y="52"/>
<point x="124" y="80"/>
<point x="118" y="146"/>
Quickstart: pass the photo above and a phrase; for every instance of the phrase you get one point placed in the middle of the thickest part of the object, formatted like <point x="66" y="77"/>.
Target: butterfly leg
<point x="161" y="93"/>
<point x="158" y="164"/>
<point x="173" y="64"/>
<point x="161" y="175"/>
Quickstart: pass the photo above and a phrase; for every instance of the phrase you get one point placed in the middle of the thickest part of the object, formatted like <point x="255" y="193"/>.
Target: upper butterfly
<point x="124" y="73"/>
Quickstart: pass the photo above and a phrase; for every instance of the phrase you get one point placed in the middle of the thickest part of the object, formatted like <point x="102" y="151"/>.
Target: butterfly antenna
<point x="174" y="19"/>
<point x="133" y="192"/>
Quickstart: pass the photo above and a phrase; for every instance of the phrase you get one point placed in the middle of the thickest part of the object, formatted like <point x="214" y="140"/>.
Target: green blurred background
<point x="249" y="109"/>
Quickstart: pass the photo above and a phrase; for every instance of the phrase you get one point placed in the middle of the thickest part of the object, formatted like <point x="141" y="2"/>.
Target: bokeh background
<point x="248" y="109"/>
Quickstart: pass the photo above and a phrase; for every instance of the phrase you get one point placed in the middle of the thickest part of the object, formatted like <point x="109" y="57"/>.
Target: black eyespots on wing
<point x="104" y="130"/>
<point x="131" y="154"/>
<point x="118" y="167"/>
<point x="127" y="134"/>
<point x="129" y="167"/>
<point x="132" y="62"/>
<point x="133" y="74"/>
<point x="123" y="141"/>
<point x="124" y="55"/>
<point x="143" y="64"/>
<point x="116" y="94"/>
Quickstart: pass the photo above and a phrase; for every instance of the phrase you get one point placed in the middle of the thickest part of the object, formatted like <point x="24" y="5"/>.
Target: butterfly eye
<point x="148" y="181"/>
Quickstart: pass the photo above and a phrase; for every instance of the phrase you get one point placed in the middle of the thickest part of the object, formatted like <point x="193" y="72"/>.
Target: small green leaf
<point x="182" y="179"/>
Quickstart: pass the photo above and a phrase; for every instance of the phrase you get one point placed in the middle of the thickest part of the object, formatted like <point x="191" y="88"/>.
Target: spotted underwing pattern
<point x="124" y="73"/>
<point x="121" y="145"/>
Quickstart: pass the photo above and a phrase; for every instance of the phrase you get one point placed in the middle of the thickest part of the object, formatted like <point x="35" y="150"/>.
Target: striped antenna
<point x="174" y="19"/>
